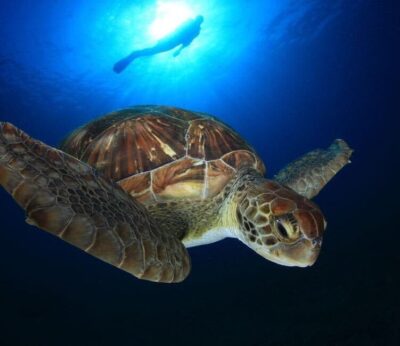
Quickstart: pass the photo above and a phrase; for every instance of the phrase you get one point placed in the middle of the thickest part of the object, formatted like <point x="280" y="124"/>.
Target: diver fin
<point x="311" y="172"/>
<point x="124" y="63"/>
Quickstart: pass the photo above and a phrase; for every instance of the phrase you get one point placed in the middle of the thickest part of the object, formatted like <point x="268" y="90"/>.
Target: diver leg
<point x="123" y="63"/>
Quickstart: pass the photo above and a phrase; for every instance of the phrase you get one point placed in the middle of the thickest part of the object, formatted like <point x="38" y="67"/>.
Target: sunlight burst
<point x="169" y="15"/>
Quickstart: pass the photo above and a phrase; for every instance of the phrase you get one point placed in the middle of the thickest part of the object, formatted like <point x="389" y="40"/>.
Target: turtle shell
<point x="163" y="153"/>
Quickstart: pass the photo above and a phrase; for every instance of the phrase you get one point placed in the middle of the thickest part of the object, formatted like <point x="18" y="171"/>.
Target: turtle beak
<point x="303" y="253"/>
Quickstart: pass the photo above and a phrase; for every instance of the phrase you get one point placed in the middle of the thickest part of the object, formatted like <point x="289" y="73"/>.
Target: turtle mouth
<point x="302" y="253"/>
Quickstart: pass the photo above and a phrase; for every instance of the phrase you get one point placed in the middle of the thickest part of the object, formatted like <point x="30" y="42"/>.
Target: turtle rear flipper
<point x="67" y="198"/>
<point x="311" y="172"/>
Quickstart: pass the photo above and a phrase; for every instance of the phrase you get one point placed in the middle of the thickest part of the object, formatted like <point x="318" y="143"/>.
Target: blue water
<point x="289" y="76"/>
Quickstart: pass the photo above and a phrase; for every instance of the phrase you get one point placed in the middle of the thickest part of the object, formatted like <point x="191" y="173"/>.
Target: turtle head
<point x="279" y="224"/>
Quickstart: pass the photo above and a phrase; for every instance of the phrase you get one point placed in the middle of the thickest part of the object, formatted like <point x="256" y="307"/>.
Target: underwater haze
<point x="289" y="76"/>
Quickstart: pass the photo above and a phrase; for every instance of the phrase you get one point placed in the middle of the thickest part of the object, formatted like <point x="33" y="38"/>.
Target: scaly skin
<point x="311" y="172"/>
<point x="273" y="220"/>
<point x="67" y="198"/>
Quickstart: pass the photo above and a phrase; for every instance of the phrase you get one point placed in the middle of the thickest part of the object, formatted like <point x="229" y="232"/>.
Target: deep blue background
<point x="290" y="76"/>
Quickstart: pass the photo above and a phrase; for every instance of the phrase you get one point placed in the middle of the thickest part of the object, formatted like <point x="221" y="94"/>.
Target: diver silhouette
<point x="182" y="36"/>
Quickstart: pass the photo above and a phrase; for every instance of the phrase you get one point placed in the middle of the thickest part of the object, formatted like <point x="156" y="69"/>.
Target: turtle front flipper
<point x="67" y="198"/>
<point x="311" y="172"/>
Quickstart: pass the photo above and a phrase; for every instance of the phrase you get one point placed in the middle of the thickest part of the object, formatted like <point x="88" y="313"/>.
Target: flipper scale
<point x="68" y="198"/>
<point x="311" y="172"/>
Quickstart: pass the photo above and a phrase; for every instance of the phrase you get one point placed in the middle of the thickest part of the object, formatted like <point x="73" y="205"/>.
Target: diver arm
<point x="179" y="50"/>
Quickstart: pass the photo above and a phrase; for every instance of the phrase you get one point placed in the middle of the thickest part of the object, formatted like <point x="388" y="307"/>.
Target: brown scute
<point x="76" y="166"/>
<point x="271" y="185"/>
<point x="137" y="145"/>
<point x="243" y="158"/>
<point x="137" y="184"/>
<point x="319" y="220"/>
<point x="11" y="134"/>
<point x="128" y="142"/>
<point x="167" y="142"/>
<point x="77" y="142"/>
<point x="108" y="247"/>
<point x="267" y="197"/>
<point x="285" y="193"/>
<point x="260" y="167"/>
<point x="168" y="180"/>
<point x="265" y="208"/>
<point x="152" y="272"/>
<point x="80" y="232"/>
<point x="167" y="276"/>
<point x="29" y="172"/>
<point x="270" y="241"/>
<point x="9" y="179"/>
<point x="308" y="224"/>
<point x="261" y="220"/>
<point x="54" y="156"/>
<point x="161" y="253"/>
<point x="267" y="229"/>
<point x="179" y="113"/>
<point x="17" y="148"/>
<point x="218" y="174"/>
<point x="124" y="233"/>
<point x="281" y="206"/>
<point x="210" y="140"/>
<point x="41" y="199"/>
<point x="149" y="249"/>
<point x="53" y="219"/>
<point x="251" y="212"/>
<point x="133" y="261"/>
<point x="24" y="193"/>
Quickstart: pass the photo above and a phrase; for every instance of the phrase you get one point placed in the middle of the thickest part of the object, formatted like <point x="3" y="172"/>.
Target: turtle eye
<point x="287" y="228"/>
<point x="282" y="230"/>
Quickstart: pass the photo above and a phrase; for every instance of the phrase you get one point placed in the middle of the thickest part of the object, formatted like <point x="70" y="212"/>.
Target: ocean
<point x="289" y="76"/>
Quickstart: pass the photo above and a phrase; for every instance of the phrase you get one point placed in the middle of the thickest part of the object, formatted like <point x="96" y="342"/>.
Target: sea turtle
<point x="138" y="186"/>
